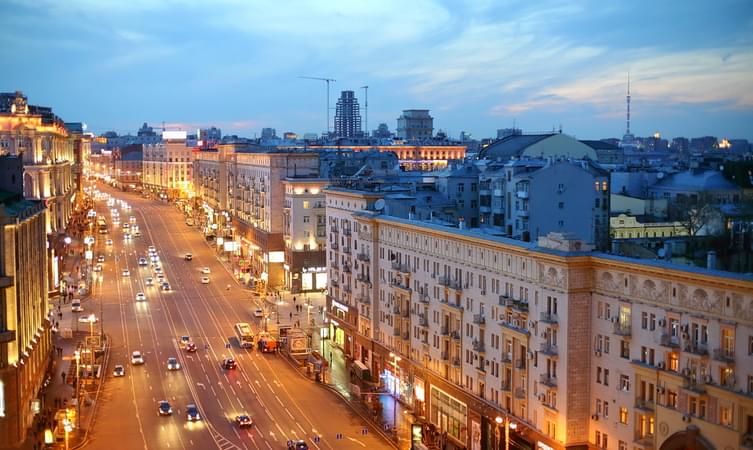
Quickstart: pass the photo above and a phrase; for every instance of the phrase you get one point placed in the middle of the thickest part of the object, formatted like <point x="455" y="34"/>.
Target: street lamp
<point x="77" y="355"/>
<point x="509" y="425"/>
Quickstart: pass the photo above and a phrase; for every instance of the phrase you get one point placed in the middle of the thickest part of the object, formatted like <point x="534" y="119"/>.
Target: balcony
<point x="423" y="321"/>
<point x="399" y="284"/>
<point x="455" y="335"/>
<point x="548" y="317"/>
<point x="346" y="250"/>
<point x="646" y="441"/>
<point x="696" y="348"/>
<point x="423" y="298"/>
<point x="456" y="362"/>
<point x="402" y="268"/>
<point x="522" y="194"/>
<point x="505" y="386"/>
<point x="622" y="328"/>
<point x="445" y="356"/>
<point x="346" y="268"/>
<point x="334" y="229"/>
<point x="479" y="319"/>
<point x="520" y="364"/>
<point x="363" y="257"/>
<point x="642" y="403"/>
<point x="520" y="393"/>
<point x="346" y="231"/>
<point x="363" y="298"/>
<point x="334" y="245"/>
<point x="667" y="340"/>
<point x="724" y="355"/>
<point x="444" y="331"/>
<point x="506" y="357"/>
<point x="548" y="349"/>
<point x="396" y="309"/>
<point x="450" y="283"/>
<point x="346" y="288"/>
<point x="479" y="346"/>
<point x="548" y="380"/>
<point x="363" y="278"/>
<point x="522" y="213"/>
<point x="334" y="282"/>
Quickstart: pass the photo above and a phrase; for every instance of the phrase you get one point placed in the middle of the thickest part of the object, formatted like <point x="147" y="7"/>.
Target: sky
<point x="477" y="65"/>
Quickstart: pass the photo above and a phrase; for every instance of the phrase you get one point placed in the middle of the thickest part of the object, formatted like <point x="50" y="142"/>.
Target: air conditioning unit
<point x="660" y="390"/>
<point x="686" y="418"/>
<point x="662" y="322"/>
<point x="595" y="417"/>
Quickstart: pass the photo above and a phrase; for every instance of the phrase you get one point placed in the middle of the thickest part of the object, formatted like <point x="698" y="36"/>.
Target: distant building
<point x="504" y="132"/>
<point x="538" y="146"/>
<point x="167" y="166"/>
<point x="680" y="145"/>
<point x="704" y="144"/>
<point x="382" y="132"/>
<point x="347" y="116"/>
<point x="415" y="124"/>
<point x="290" y="136"/>
<point x="25" y="311"/>
<point x="128" y="166"/>
<point x="211" y="134"/>
<point x="692" y="185"/>
<point x="607" y="153"/>
<point x="268" y="133"/>
<point x="145" y="131"/>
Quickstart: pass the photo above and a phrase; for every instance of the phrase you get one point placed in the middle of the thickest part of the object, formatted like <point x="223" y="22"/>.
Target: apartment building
<point x="577" y="348"/>
<point x="168" y="166"/>
<point x="25" y="336"/>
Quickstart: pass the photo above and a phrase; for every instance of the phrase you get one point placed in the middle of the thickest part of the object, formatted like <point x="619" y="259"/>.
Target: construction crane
<point x="366" y="108"/>
<point x="326" y="80"/>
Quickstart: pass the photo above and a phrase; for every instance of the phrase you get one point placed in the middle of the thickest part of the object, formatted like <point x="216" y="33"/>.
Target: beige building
<point x="168" y="167"/>
<point x="25" y="339"/>
<point x="630" y="227"/>
<point x="305" y="234"/>
<point x="577" y="348"/>
<point x="244" y="196"/>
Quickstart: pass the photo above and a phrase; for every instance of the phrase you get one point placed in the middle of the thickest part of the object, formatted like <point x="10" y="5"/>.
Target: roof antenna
<point x="560" y="128"/>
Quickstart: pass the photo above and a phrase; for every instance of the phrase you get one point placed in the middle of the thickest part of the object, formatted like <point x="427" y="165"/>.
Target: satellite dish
<point x="662" y="253"/>
<point x="660" y="175"/>
<point x="379" y="204"/>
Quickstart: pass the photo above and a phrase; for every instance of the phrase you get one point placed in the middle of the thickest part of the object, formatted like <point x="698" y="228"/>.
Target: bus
<point x="101" y="225"/>
<point x="245" y="335"/>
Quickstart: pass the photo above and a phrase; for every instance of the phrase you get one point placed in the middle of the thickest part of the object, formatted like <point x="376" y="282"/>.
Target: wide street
<point x="283" y="404"/>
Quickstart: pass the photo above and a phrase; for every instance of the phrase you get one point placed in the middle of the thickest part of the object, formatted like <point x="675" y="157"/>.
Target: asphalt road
<point x="283" y="404"/>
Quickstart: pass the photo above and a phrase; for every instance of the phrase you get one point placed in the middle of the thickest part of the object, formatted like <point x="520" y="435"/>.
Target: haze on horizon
<point x="478" y="66"/>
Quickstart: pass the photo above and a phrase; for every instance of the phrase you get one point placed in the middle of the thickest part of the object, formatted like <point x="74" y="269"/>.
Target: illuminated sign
<point x="178" y="135"/>
<point x="339" y="306"/>
<point x="276" y="257"/>
<point x="542" y="446"/>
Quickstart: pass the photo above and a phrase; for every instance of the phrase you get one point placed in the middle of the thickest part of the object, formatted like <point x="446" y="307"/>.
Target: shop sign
<point x="314" y="269"/>
<point x="340" y="306"/>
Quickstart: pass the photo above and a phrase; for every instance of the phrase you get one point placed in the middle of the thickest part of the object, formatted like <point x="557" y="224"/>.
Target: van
<point x="76" y="305"/>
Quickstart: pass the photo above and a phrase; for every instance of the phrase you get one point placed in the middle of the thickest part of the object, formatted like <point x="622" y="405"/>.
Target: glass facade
<point x="448" y="414"/>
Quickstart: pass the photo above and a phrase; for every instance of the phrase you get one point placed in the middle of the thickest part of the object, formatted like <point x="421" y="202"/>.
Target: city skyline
<point x="477" y="66"/>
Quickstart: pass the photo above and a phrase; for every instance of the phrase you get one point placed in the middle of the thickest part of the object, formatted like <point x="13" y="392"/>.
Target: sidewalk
<point x="60" y="392"/>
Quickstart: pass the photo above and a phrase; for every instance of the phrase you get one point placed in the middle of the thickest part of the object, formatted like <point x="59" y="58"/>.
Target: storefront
<point x="449" y="415"/>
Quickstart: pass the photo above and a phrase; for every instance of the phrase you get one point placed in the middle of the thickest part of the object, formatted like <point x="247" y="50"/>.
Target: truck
<point x="267" y="343"/>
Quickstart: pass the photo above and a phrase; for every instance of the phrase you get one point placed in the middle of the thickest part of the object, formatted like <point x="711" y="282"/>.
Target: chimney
<point x="711" y="260"/>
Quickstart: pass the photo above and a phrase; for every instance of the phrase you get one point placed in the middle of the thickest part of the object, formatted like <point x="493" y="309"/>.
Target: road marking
<point x="201" y="385"/>
<point x="236" y="433"/>
<point x="356" y="441"/>
<point x="279" y="401"/>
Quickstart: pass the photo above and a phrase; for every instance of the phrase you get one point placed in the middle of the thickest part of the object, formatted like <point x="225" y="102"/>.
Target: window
<point x="625" y="383"/>
<point x="725" y="416"/>
<point x="306" y="204"/>
<point x="606" y="377"/>
<point x="606" y="409"/>
<point x="623" y="415"/>
<point x="624" y="349"/>
<point x="606" y="344"/>
<point x="306" y="219"/>
<point x="622" y="445"/>
<point x="671" y="399"/>
<point x="561" y="205"/>
<point x="561" y="223"/>
<point x="644" y="320"/>
<point x="598" y="375"/>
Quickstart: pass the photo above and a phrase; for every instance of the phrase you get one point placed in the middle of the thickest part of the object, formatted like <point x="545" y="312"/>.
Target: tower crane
<point x="326" y="80"/>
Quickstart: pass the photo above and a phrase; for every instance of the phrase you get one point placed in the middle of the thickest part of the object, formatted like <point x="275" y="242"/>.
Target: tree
<point x="694" y="212"/>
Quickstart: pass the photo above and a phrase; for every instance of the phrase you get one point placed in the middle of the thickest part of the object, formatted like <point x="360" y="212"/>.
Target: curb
<point x="385" y="436"/>
<point x="95" y="406"/>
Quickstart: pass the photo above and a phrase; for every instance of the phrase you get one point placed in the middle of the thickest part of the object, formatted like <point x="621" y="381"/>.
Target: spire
<point x="628" y="104"/>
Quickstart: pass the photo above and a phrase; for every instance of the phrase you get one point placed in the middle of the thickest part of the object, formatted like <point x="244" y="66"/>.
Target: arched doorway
<point x="688" y="439"/>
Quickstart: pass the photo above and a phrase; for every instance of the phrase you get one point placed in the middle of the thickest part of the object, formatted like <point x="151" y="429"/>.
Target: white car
<point x="258" y="312"/>
<point x="173" y="364"/>
<point x="126" y="273"/>
<point x="98" y="268"/>
<point x="101" y="258"/>
<point x="108" y="242"/>
<point x="76" y="306"/>
<point x="119" y="371"/>
<point x="157" y="269"/>
<point x="140" y="297"/>
<point x="149" y="281"/>
<point x="88" y="319"/>
<point x="126" y="225"/>
<point x="126" y="236"/>
<point x="143" y="262"/>
<point x="136" y="358"/>
<point x="132" y="219"/>
<point x="152" y="249"/>
<point x="204" y="280"/>
<point x="205" y="270"/>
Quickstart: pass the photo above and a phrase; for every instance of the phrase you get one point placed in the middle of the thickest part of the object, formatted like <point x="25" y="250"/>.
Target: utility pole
<point x="326" y="80"/>
<point x="366" y="108"/>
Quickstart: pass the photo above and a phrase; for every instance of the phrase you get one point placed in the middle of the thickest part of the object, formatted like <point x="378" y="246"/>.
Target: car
<point x="164" y="408"/>
<point x="190" y="347"/>
<point x="205" y="270"/>
<point x="136" y="233"/>
<point x="132" y="219"/>
<point x="126" y="273"/>
<point x="98" y="268"/>
<point x="88" y="319"/>
<point x="76" y="305"/>
<point x="154" y="258"/>
<point x="140" y="297"/>
<point x="165" y="286"/>
<point x="143" y="262"/>
<point x="126" y="225"/>
<point x="126" y="236"/>
<point x="298" y="445"/>
<point x="258" y="312"/>
<point x="157" y="269"/>
<point x="204" y="280"/>
<point x="229" y="364"/>
<point x="101" y="258"/>
<point x="108" y="242"/>
<point x="152" y="248"/>
<point x="188" y="257"/>
<point x="192" y="413"/>
<point x="119" y="371"/>
<point x="183" y="341"/>
<point x="136" y="358"/>
<point x="149" y="281"/>
<point x="244" y="421"/>
<point x="161" y="277"/>
<point x="172" y="363"/>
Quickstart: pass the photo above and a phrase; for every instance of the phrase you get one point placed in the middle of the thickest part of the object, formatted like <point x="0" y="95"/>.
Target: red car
<point x="191" y="347"/>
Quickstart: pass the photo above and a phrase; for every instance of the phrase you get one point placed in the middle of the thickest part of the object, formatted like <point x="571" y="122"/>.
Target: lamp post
<point x="509" y="425"/>
<point x="77" y="355"/>
<point x="396" y="390"/>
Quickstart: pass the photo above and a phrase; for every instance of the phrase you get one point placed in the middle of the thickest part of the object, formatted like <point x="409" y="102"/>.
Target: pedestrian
<point x="294" y="299"/>
<point x="62" y="375"/>
<point x="291" y="315"/>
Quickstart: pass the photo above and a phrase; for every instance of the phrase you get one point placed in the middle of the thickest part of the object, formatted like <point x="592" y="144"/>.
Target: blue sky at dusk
<point x="477" y="66"/>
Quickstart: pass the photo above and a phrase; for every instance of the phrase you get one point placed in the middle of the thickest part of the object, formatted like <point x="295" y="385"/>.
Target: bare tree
<point x="694" y="212"/>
